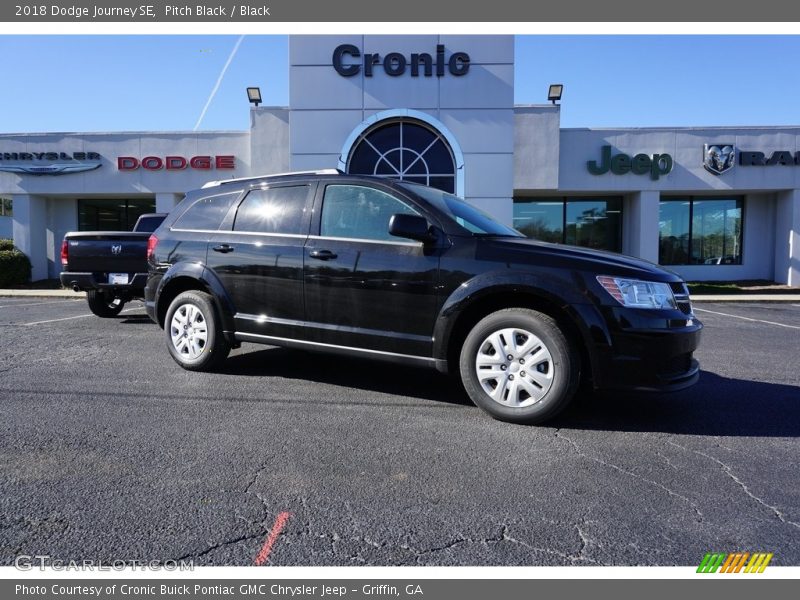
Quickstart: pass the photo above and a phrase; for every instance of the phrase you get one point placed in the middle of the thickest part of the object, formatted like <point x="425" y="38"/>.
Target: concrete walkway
<point x="794" y="298"/>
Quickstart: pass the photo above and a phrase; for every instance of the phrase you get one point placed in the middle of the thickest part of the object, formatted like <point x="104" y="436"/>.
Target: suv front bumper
<point x="648" y="351"/>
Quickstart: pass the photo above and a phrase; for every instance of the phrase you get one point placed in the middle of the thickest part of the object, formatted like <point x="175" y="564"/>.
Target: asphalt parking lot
<point x="109" y="450"/>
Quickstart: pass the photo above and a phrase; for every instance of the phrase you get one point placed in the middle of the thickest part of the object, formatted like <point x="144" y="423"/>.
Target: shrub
<point x="15" y="267"/>
<point x="6" y="244"/>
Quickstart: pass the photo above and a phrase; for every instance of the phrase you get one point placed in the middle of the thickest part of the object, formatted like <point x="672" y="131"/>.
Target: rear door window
<point x="276" y="210"/>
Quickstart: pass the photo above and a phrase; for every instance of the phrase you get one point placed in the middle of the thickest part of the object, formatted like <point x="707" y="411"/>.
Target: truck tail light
<point x="64" y="253"/>
<point x="152" y="242"/>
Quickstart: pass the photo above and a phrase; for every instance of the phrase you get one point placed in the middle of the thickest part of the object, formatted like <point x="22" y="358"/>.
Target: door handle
<point x="224" y="248"/>
<point x="322" y="254"/>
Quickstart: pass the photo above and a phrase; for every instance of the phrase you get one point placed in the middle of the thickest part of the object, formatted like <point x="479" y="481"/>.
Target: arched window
<point x="405" y="149"/>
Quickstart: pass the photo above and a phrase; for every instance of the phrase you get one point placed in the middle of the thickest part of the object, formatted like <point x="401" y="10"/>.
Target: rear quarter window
<point x="148" y="224"/>
<point x="206" y="213"/>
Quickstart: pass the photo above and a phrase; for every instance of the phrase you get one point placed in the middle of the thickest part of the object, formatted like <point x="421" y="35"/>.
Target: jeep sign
<point x="640" y="164"/>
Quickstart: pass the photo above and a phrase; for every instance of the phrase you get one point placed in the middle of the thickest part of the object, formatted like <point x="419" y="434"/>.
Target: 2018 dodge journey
<point x="398" y="271"/>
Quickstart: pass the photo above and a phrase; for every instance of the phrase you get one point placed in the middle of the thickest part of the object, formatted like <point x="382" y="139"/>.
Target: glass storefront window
<point x="540" y="220"/>
<point x="112" y="214"/>
<point x="588" y="222"/>
<point x="594" y="223"/>
<point x="673" y="232"/>
<point x="698" y="231"/>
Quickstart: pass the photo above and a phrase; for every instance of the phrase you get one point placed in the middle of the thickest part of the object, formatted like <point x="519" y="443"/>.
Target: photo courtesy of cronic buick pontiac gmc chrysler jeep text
<point x="398" y="271"/>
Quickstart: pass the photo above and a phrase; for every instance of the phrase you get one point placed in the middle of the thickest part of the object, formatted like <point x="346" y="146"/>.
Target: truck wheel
<point x="194" y="332"/>
<point x="103" y="305"/>
<point x="518" y="366"/>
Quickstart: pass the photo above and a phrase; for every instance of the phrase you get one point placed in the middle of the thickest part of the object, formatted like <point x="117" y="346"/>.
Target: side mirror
<point x="412" y="227"/>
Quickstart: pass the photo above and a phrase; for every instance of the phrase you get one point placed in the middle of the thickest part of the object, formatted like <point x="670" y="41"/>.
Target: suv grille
<point x="681" y="293"/>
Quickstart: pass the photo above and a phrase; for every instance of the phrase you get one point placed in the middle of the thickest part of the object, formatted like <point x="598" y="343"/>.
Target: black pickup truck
<point x="371" y="267"/>
<point x="110" y="266"/>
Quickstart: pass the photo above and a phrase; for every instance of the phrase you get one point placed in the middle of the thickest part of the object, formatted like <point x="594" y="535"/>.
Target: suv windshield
<point x="473" y="219"/>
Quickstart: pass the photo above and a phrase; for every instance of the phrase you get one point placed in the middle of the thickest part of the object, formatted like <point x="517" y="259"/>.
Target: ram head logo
<point x="719" y="158"/>
<point x="116" y="248"/>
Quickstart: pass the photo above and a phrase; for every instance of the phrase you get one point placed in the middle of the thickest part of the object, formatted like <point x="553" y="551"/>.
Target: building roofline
<point x="688" y="128"/>
<point x="542" y="105"/>
<point x="160" y="132"/>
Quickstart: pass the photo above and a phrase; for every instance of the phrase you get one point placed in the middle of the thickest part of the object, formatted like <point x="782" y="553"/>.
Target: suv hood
<point x="600" y="262"/>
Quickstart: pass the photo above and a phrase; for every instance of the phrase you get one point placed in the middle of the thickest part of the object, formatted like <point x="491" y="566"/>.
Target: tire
<point x="505" y="389"/>
<point x="194" y="332"/>
<point x="102" y="305"/>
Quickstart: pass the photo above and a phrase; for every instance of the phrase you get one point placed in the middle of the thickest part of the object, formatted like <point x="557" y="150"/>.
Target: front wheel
<point x="517" y="365"/>
<point x="103" y="305"/>
<point x="194" y="332"/>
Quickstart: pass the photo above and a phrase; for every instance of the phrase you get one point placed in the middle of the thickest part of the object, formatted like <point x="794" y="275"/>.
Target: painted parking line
<point x="75" y="317"/>
<point x="266" y="549"/>
<point x="713" y="312"/>
<point x="41" y="303"/>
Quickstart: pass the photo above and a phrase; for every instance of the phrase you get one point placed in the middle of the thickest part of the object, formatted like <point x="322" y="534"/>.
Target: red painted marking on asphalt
<point x="266" y="549"/>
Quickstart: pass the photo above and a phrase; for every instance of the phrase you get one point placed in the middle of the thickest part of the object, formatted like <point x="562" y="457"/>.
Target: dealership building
<point x="715" y="203"/>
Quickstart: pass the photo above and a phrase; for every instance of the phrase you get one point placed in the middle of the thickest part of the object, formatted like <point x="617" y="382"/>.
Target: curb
<point x="743" y="298"/>
<point x="41" y="294"/>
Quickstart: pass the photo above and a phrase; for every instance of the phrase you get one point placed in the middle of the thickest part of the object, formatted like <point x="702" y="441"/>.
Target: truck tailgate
<point x="98" y="252"/>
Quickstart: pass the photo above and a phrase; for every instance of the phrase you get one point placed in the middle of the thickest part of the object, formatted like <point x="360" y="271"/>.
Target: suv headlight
<point x="636" y="293"/>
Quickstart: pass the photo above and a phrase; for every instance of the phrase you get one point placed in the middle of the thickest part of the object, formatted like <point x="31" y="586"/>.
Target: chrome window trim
<point x="289" y="235"/>
<point x="196" y="230"/>
<point x="302" y="236"/>
<point x="365" y="241"/>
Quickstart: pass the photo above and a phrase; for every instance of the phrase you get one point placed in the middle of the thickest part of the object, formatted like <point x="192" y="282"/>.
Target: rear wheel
<point x="517" y="365"/>
<point x="194" y="332"/>
<point x="104" y="305"/>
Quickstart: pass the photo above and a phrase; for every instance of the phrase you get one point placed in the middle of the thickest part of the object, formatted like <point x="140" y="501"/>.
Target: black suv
<point x="398" y="271"/>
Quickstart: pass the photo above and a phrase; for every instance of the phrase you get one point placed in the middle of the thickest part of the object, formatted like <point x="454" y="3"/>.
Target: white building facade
<point x="710" y="203"/>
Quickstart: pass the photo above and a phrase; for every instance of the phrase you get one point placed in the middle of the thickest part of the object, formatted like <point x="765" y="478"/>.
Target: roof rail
<point x="254" y="177"/>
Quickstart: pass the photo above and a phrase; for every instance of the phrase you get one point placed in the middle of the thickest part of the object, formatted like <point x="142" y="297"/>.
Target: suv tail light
<point x="64" y="253"/>
<point x="152" y="242"/>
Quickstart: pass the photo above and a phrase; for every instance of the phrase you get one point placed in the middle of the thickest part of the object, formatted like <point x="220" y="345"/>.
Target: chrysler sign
<point x="49" y="163"/>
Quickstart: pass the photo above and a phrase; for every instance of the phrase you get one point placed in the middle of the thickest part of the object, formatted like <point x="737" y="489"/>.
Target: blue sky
<point x="112" y="83"/>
